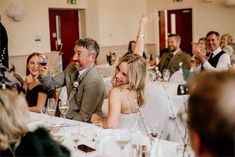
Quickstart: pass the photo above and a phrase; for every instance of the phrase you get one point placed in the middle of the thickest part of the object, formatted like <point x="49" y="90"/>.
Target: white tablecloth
<point x="163" y="106"/>
<point x="106" y="147"/>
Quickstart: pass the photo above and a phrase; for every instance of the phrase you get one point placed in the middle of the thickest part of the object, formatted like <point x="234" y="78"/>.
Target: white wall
<point x="119" y="20"/>
<point x="35" y="24"/>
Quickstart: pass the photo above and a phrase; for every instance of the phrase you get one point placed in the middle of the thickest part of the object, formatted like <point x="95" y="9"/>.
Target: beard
<point x="172" y="49"/>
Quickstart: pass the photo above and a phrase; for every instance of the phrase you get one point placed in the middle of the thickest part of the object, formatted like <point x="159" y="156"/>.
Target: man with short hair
<point x="85" y="86"/>
<point x="211" y="118"/>
<point x="218" y="60"/>
<point x="171" y="59"/>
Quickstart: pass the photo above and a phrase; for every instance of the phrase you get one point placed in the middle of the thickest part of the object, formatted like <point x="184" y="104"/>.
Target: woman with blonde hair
<point x="225" y="43"/>
<point x="127" y="94"/>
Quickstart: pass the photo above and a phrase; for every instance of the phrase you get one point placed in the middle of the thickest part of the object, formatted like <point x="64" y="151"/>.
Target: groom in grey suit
<point x="85" y="86"/>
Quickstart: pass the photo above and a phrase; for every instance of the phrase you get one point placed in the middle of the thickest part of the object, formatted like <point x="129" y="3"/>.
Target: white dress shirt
<point x="222" y="64"/>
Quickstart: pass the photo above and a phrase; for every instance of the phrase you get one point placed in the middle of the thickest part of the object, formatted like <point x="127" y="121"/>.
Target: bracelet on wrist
<point x="140" y="36"/>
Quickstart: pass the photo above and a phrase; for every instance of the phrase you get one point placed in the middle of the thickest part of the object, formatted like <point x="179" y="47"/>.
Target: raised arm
<point x="139" y="47"/>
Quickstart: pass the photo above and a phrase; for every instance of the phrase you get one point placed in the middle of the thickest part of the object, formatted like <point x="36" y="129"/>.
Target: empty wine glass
<point x="122" y="137"/>
<point x="63" y="107"/>
<point x="51" y="102"/>
<point x="43" y="112"/>
<point x="76" y="136"/>
<point x="154" y="131"/>
<point x="166" y="74"/>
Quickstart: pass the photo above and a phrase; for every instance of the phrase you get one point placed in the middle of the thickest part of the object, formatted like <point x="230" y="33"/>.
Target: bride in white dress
<point x="127" y="93"/>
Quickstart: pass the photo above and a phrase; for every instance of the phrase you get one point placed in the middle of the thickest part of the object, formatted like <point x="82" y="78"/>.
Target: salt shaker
<point x="135" y="150"/>
<point x="144" y="152"/>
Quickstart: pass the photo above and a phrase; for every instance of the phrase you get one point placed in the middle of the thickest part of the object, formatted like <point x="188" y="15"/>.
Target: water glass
<point x="43" y="112"/>
<point x="166" y="74"/>
<point x="51" y="108"/>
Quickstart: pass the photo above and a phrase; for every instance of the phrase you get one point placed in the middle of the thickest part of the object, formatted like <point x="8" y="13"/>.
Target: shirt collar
<point x="175" y="52"/>
<point x="218" y="50"/>
<point x="82" y="71"/>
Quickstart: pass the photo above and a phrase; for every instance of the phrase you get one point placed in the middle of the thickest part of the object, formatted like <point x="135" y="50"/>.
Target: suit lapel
<point x="175" y="58"/>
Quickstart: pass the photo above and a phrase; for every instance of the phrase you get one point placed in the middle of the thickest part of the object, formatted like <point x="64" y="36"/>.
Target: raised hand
<point x="148" y="18"/>
<point x="139" y="48"/>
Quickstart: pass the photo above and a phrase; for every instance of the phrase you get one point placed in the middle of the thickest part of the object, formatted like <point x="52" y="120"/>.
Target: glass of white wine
<point x="122" y="137"/>
<point x="64" y="107"/>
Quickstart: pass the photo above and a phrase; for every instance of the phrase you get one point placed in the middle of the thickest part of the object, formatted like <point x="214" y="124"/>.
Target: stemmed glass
<point x="154" y="131"/>
<point x="122" y="137"/>
<point x="63" y="107"/>
<point x="51" y="102"/>
<point x="98" y="130"/>
<point x="166" y="74"/>
<point x="76" y="136"/>
<point x="43" y="112"/>
<point x="43" y="60"/>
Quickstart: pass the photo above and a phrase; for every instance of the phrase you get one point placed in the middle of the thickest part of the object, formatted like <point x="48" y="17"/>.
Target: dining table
<point x="73" y="134"/>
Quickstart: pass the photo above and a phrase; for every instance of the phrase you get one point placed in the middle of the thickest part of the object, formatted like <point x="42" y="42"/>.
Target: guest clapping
<point x="218" y="60"/>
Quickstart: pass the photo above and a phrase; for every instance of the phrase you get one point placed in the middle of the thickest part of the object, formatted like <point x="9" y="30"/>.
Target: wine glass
<point x="76" y="136"/>
<point x="43" y="112"/>
<point x="154" y="131"/>
<point x="63" y="107"/>
<point x="98" y="131"/>
<point x="43" y="60"/>
<point x="166" y="74"/>
<point x="122" y="137"/>
<point x="51" y="102"/>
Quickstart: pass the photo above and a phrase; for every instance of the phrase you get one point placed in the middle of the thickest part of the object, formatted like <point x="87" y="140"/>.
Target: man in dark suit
<point x="174" y="56"/>
<point x="218" y="60"/>
<point x="85" y="86"/>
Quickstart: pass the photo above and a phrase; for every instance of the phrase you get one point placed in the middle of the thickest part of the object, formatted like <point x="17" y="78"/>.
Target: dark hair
<point x="90" y="44"/>
<point x="211" y="111"/>
<point x="176" y="36"/>
<point x="212" y="32"/>
<point x="29" y="57"/>
<point x="129" y="46"/>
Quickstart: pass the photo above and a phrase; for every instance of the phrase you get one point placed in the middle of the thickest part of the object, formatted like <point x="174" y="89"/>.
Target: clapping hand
<point x="198" y="53"/>
<point x="231" y="68"/>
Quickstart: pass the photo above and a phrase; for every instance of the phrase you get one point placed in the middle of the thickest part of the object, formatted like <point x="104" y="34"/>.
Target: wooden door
<point x="180" y="22"/>
<point x="68" y="32"/>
